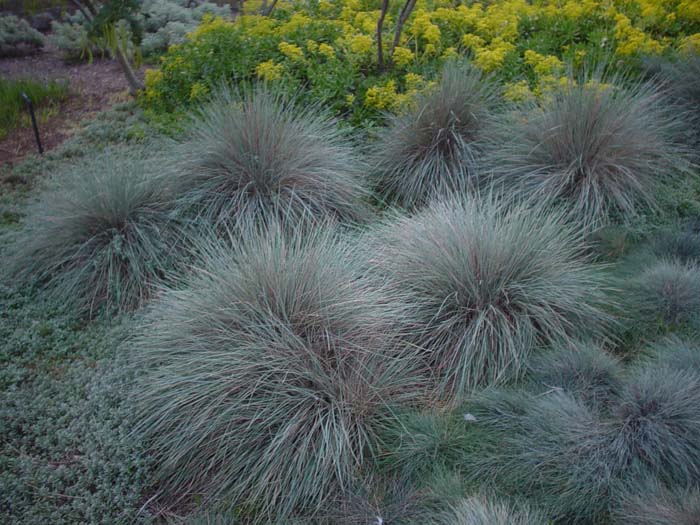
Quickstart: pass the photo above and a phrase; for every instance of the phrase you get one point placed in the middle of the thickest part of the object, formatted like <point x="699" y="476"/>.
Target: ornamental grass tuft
<point x="602" y="148"/>
<point x="483" y="510"/>
<point x="101" y="235"/>
<point x="433" y="148"/>
<point x="269" y="372"/>
<point x="260" y="156"/>
<point x="488" y="284"/>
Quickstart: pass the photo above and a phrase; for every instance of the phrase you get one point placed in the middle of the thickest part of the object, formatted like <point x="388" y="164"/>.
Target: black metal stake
<point x="30" y="106"/>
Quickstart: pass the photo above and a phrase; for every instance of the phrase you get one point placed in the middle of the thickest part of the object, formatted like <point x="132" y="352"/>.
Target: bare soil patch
<point x="93" y="87"/>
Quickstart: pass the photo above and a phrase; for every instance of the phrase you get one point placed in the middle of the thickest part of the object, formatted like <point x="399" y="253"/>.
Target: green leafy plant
<point x="46" y="97"/>
<point x="269" y="373"/>
<point x="489" y="284"/>
<point x="432" y="149"/>
<point x="17" y="37"/>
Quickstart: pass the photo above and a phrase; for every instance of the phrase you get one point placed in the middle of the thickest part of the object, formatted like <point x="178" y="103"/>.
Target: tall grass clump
<point x="100" y="236"/>
<point x="553" y="448"/>
<point x="269" y="370"/>
<point x="665" y="296"/>
<point x="259" y="156"/>
<point x="603" y="148"/>
<point x="682" y="78"/>
<point x="680" y="244"/>
<point x="657" y="423"/>
<point x="433" y="148"/>
<point x="676" y="353"/>
<point x="658" y="505"/>
<point x="46" y="96"/>
<point x="586" y="372"/>
<point x="483" y="510"/>
<point x="488" y="284"/>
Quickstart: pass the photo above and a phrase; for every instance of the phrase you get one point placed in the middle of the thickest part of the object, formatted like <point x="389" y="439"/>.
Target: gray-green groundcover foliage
<point x="101" y="235"/>
<point x="433" y="149"/>
<point x="18" y="37"/>
<point x="270" y="369"/>
<point x="489" y="283"/>
<point x="258" y="156"/>
<point x="67" y="454"/>
<point x="680" y="243"/>
<point x="602" y="148"/>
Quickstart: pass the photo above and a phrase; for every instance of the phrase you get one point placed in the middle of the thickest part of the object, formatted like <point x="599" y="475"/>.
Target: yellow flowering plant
<point x="327" y="51"/>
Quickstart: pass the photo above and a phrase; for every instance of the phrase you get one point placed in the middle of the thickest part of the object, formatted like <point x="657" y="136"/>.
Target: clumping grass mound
<point x="659" y="505"/>
<point x="101" y="236"/>
<point x="657" y="423"/>
<point x="552" y="448"/>
<point x="587" y="372"/>
<point x="433" y="148"/>
<point x="259" y="156"/>
<point x="664" y="296"/>
<point x="482" y="510"/>
<point x="419" y="444"/>
<point x="681" y="244"/>
<point x="269" y="372"/>
<point x="676" y="353"/>
<point x="488" y="284"/>
<point x="682" y="77"/>
<point x="602" y="148"/>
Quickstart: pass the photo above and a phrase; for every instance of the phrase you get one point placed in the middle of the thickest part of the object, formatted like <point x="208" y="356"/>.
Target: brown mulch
<point x="93" y="87"/>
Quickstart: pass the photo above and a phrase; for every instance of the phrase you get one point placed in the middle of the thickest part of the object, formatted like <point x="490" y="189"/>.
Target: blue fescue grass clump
<point x="488" y="284"/>
<point x="663" y="297"/>
<point x="656" y="504"/>
<point x="100" y="236"/>
<point x="269" y="372"/>
<point x="601" y="147"/>
<point x="679" y="244"/>
<point x="433" y="148"/>
<point x="675" y="352"/>
<point x="587" y="372"/>
<point x="260" y="156"/>
<point x="657" y="425"/>
<point x="489" y="510"/>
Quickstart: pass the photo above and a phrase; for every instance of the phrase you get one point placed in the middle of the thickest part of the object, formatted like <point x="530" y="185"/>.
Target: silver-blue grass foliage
<point x="257" y="155"/>
<point x="602" y="147"/>
<point x="101" y="235"/>
<point x="655" y="504"/>
<point x="488" y="284"/>
<point x="269" y="372"/>
<point x="489" y="510"/>
<point x="432" y="149"/>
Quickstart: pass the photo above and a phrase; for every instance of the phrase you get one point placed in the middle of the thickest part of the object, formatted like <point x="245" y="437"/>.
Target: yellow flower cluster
<point x="269" y="70"/>
<point x="291" y="51"/>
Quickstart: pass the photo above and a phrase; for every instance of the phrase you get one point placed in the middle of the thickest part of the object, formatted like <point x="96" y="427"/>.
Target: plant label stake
<point x="30" y="106"/>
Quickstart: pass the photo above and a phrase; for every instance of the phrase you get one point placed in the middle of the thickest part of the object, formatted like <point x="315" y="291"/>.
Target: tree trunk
<point x="134" y="84"/>
<point x="403" y="16"/>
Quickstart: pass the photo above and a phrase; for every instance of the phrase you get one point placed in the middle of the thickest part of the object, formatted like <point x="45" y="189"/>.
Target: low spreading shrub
<point x="603" y="149"/>
<point x="72" y="39"/>
<point x="488" y="284"/>
<point x="327" y="51"/>
<point x="482" y="510"/>
<point x="658" y="505"/>
<point x="17" y="37"/>
<point x="657" y="425"/>
<point x="432" y="149"/>
<point x="269" y="373"/>
<point x="46" y="97"/>
<point x="260" y="157"/>
<point x="101" y="235"/>
<point x="587" y="372"/>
